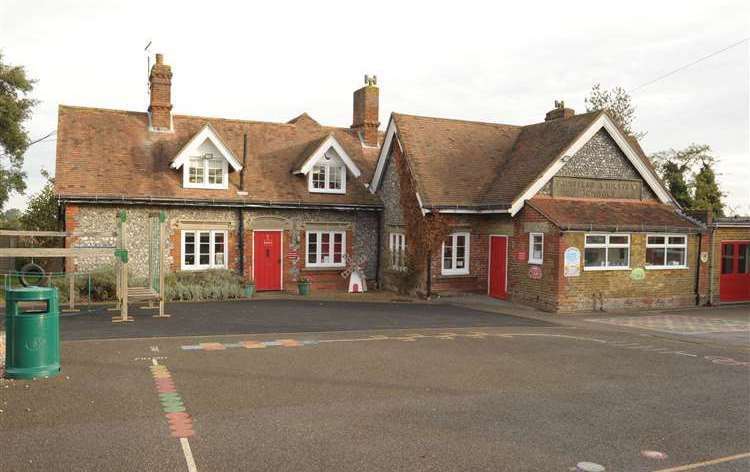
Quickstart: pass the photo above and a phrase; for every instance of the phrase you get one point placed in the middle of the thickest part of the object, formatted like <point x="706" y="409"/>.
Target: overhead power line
<point x="679" y="69"/>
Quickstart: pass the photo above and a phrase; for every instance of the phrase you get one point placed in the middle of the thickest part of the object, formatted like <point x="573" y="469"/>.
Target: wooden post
<point x="122" y="244"/>
<point x="162" y="270"/>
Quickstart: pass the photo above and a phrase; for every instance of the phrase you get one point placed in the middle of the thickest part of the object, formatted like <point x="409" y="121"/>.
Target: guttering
<point x="468" y="209"/>
<point x="217" y="203"/>
<point x="630" y="228"/>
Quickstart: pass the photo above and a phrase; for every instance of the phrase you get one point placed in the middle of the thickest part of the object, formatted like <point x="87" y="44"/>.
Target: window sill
<point x="599" y="269"/>
<point x="665" y="267"/>
<point x="200" y="268"/>
<point x="536" y="262"/>
<point x="339" y="192"/>
<point x="323" y="268"/>
<point x="456" y="276"/>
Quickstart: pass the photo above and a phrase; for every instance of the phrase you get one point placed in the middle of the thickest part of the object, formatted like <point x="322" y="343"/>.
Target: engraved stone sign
<point x="596" y="188"/>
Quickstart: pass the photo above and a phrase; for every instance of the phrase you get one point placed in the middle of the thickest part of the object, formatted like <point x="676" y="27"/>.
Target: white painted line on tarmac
<point x="153" y="361"/>
<point x="188" y="455"/>
<point x="698" y="465"/>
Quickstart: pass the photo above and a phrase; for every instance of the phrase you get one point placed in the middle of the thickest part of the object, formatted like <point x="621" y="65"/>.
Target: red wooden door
<point x="734" y="282"/>
<point x="498" y="267"/>
<point x="267" y="260"/>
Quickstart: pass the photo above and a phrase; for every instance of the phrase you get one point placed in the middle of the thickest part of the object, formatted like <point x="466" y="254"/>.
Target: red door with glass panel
<point x="267" y="260"/>
<point x="734" y="282"/>
<point x="498" y="267"/>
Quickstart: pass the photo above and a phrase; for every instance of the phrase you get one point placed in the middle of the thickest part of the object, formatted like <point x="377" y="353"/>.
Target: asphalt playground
<point x="334" y="386"/>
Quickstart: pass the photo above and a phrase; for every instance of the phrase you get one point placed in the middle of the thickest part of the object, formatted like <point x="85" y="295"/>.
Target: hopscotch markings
<point x="451" y="336"/>
<point x="180" y="422"/>
<point x="160" y="358"/>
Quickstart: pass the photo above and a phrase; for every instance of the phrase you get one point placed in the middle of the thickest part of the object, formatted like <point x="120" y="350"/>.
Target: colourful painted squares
<point x="248" y="345"/>
<point x="180" y="422"/>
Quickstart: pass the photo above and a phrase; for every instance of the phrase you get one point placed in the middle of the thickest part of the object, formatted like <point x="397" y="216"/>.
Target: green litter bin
<point x="32" y="332"/>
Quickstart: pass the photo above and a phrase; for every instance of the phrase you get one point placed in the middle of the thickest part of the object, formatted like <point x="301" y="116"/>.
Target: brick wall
<point x="723" y="234"/>
<point x="617" y="290"/>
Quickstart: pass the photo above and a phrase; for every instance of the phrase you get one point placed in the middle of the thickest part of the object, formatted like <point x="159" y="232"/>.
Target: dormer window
<point x="328" y="177"/>
<point x="206" y="171"/>
<point x="205" y="161"/>
<point x="326" y="167"/>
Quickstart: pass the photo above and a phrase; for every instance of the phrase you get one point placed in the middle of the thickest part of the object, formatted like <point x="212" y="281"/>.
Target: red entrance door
<point x="734" y="282"/>
<point x="498" y="267"/>
<point x="267" y="260"/>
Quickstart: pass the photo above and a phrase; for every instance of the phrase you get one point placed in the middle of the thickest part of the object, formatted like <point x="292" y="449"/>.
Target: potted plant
<point x="304" y="286"/>
<point x="249" y="289"/>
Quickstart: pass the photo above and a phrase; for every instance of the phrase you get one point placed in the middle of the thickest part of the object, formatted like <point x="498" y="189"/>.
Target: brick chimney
<point x="365" y="119"/>
<point x="559" y="112"/>
<point x="160" y="107"/>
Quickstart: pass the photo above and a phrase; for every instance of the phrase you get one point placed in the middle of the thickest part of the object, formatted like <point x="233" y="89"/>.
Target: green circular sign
<point x="638" y="274"/>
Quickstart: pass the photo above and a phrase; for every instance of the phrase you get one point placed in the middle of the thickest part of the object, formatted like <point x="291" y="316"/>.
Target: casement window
<point x="328" y="176"/>
<point x="607" y="252"/>
<point x="456" y="254"/>
<point x="536" y="248"/>
<point x="206" y="171"/>
<point x="397" y="247"/>
<point x="666" y="251"/>
<point x="203" y="249"/>
<point x="325" y="249"/>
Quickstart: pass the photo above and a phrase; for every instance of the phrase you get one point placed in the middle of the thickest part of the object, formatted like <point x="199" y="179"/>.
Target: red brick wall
<point x="71" y="223"/>
<point x="522" y="287"/>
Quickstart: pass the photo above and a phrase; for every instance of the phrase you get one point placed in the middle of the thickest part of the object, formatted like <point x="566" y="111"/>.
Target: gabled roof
<point x="111" y="154"/>
<point x="190" y="148"/>
<point x="317" y="148"/>
<point x="487" y="167"/>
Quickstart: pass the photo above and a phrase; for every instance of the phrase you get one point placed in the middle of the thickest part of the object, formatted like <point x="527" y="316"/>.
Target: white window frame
<point x="532" y="259"/>
<point x="211" y="253"/>
<point x="667" y="246"/>
<point x="607" y="245"/>
<point x="224" y="173"/>
<point x="318" y="245"/>
<point x="327" y="167"/>
<point x="467" y="253"/>
<point x="397" y="246"/>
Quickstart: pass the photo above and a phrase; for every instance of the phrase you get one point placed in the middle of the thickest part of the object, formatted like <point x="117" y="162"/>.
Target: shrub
<point x="103" y="286"/>
<point x="204" y="285"/>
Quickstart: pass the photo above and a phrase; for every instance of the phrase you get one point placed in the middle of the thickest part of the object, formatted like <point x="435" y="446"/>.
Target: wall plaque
<point x="596" y="188"/>
<point x="572" y="262"/>
<point x="535" y="272"/>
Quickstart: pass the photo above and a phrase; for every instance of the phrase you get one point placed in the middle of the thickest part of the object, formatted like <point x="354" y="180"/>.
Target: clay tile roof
<point x="112" y="154"/>
<point x="465" y="163"/>
<point x="594" y="215"/>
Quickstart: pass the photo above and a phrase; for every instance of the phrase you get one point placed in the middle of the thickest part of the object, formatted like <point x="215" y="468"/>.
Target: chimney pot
<point x="559" y="112"/>
<point x="160" y="105"/>
<point x="366" y="115"/>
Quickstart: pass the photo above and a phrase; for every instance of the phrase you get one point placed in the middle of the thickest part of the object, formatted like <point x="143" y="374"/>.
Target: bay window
<point x="606" y="251"/>
<point x="456" y="254"/>
<point x="203" y="249"/>
<point x="325" y="249"/>
<point x="666" y="251"/>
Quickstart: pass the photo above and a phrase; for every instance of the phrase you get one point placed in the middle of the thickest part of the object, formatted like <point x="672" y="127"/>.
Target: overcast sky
<point x="483" y="61"/>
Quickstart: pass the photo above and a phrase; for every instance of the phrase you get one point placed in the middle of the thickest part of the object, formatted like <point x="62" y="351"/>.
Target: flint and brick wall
<point x="360" y="227"/>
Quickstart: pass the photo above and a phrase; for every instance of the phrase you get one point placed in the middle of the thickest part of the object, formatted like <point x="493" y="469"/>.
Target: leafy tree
<point x="42" y="211"/>
<point x="9" y="219"/>
<point x="702" y="191"/>
<point x="707" y="193"/>
<point x="15" y="109"/>
<point x="673" y="175"/>
<point x="618" y="104"/>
